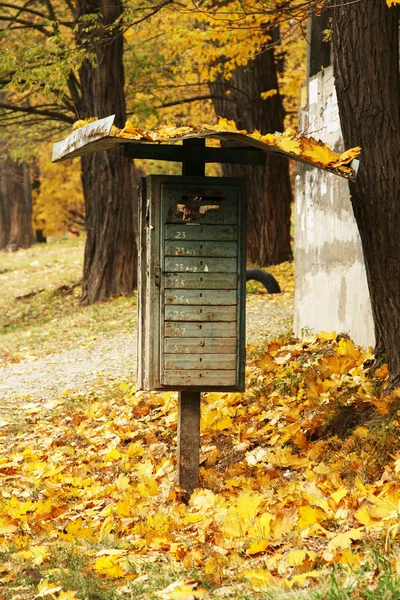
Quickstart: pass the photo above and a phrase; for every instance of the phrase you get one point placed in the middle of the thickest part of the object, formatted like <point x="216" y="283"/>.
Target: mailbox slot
<point x="192" y="271"/>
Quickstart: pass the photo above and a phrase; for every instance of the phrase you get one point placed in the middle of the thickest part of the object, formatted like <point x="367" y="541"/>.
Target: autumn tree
<point x="58" y="203"/>
<point x="15" y="204"/>
<point x="365" y="42"/>
<point x="215" y="55"/>
<point x="366" y="68"/>
<point x="250" y="97"/>
<point x="66" y="60"/>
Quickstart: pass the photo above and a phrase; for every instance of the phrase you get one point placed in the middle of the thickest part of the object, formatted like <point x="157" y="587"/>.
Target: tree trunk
<point x="5" y="206"/>
<point x="15" y="205"/>
<point x="366" y="67"/>
<point x="110" y="262"/>
<point x="270" y="193"/>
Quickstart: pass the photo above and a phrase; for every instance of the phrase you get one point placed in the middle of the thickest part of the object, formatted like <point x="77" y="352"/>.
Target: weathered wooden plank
<point x="210" y="281"/>
<point x="86" y="140"/>
<point x="200" y="313"/>
<point x="188" y="451"/>
<point x="184" y="264"/>
<point x="217" y="209"/>
<point x="200" y="378"/>
<point x="191" y="248"/>
<point x="200" y="345"/>
<point x="195" y="231"/>
<point x="201" y="297"/>
<point x="200" y="330"/>
<point x="214" y="362"/>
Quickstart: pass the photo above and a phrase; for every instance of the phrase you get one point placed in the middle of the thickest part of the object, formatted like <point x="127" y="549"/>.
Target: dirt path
<point x="114" y="358"/>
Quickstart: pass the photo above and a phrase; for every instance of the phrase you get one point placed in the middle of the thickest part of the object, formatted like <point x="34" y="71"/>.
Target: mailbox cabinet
<point x="192" y="278"/>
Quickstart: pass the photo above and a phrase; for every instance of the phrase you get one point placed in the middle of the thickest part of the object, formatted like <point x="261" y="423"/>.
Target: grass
<point x="40" y="304"/>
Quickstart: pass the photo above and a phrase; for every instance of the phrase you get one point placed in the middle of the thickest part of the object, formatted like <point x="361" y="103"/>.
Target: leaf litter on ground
<point x="299" y="474"/>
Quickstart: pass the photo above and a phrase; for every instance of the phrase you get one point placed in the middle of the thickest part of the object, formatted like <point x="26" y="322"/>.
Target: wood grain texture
<point x="201" y="297"/>
<point x="200" y="345"/>
<point x="200" y="378"/>
<point x="213" y="362"/>
<point x="184" y="264"/>
<point x="200" y="313"/>
<point x="188" y="455"/>
<point x="208" y="249"/>
<point x="195" y="231"/>
<point x="203" y="330"/>
<point x="210" y="281"/>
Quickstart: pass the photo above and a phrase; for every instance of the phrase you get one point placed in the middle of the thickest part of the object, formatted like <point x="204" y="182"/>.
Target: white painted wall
<point x="331" y="286"/>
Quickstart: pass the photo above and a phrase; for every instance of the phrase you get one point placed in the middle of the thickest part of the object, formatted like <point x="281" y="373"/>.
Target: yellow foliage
<point x="278" y="494"/>
<point x="59" y="200"/>
<point x="108" y="566"/>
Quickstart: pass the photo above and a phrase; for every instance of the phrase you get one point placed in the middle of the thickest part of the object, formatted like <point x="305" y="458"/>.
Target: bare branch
<point x="33" y="110"/>
<point x="28" y="24"/>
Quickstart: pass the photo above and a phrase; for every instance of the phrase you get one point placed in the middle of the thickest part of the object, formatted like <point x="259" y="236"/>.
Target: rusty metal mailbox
<point x="192" y="277"/>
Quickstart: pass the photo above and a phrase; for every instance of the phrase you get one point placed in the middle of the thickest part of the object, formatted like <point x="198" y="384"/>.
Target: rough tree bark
<point x="269" y="188"/>
<point x="15" y="205"/>
<point x="366" y="66"/>
<point x="5" y="205"/>
<point x="110" y="262"/>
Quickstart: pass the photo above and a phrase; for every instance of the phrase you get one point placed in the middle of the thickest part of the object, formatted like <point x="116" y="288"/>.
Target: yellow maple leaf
<point x="67" y="595"/>
<point x="203" y="500"/>
<point x="258" y="546"/>
<point x="362" y="515"/>
<point x="124" y="507"/>
<point x="261" y="527"/>
<point x="288" y="145"/>
<point x="259" y="579"/>
<point x="227" y="125"/>
<point x="348" y="156"/>
<point x="224" y="423"/>
<point x="303" y="578"/>
<point x="108" y="566"/>
<point x="47" y="589"/>
<point x="386" y="507"/>
<point x="308" y="516"/>
<point x="145" y="469"/>
<point x="327" y="336"/>
<point x="35" y="554"/>
<point x="296" y="558"/>
<point x="248" y="504"/>
<point x="285" y="458"/>
<point x="318" y="152"/>
<point x="347" y="348"/>
<point x="343" y="540"/>
<point x="148" y="488"/>
<point x="6" y="527"/>
<point x="82" y="122"/>
<point x="339" y="494"/>
<point x="268" y="138"/>
<point x="183" y="589"/>
<point x="392" y="2"/>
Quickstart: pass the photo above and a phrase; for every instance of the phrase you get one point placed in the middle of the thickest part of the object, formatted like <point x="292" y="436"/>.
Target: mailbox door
<point x="196" y="277"/>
